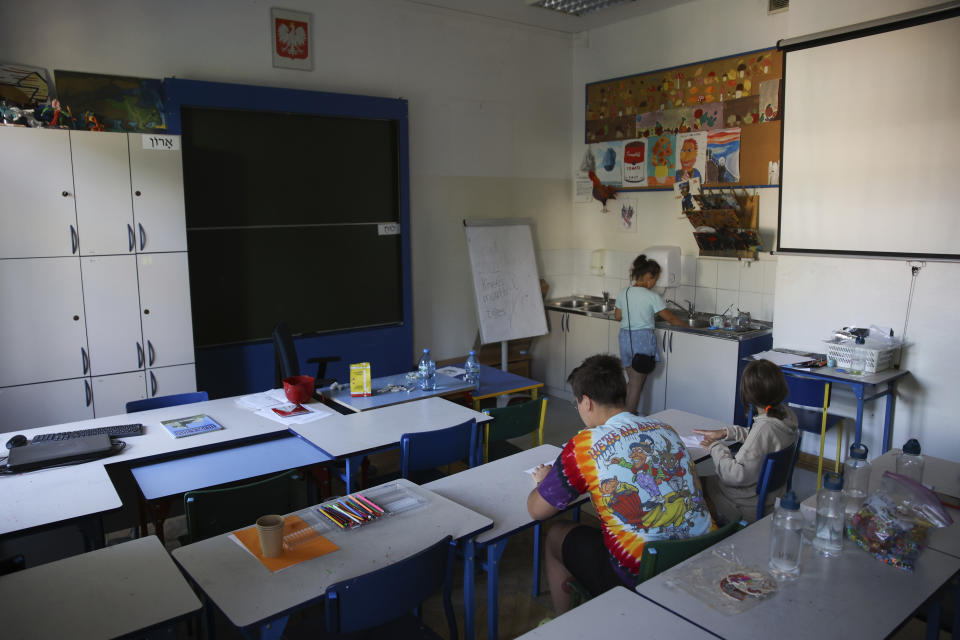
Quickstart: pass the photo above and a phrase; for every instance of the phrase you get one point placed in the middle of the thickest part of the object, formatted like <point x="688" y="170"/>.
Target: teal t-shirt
<point x="644" y="306"/>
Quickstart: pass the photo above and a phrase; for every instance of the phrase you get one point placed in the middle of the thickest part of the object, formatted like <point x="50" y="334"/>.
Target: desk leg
<point x="858" y="391"/>
<point x="887" y="419"/>
<point x="348" y="472"/>
<point x="91" y="528"/>
<point x="272" y="630"/>
<point x="494" y="554"/>
<point x="536" y="559"/>
<point x="469" y="549"/>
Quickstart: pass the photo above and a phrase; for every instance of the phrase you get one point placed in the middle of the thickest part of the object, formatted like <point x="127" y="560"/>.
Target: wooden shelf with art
<point x="726" y="223"/>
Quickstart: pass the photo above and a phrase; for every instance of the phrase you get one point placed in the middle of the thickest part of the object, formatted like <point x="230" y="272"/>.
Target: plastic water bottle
<point x="858" y="358"/>
<point x="473" y="369"/>
<point x="427" y="372"/>
<point x="786" y="538"/>
<point x="910" y="462"/>
<point x="829" y="528"/>
<point x="856" y="480"/>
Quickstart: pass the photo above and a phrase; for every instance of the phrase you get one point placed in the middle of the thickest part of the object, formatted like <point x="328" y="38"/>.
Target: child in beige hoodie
<point x="732" y="493"/>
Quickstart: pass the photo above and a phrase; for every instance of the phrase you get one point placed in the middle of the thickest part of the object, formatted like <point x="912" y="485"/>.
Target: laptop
<point x="38" y="455"/>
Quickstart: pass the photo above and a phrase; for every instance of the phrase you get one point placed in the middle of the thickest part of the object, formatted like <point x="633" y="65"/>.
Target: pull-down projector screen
<point x="871" y="140"/>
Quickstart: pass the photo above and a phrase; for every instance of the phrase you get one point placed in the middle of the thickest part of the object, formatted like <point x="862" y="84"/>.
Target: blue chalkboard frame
<point x="246" y="368"/>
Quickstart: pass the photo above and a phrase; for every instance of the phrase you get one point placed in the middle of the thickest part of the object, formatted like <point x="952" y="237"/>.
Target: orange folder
<point x="304" y="548"/>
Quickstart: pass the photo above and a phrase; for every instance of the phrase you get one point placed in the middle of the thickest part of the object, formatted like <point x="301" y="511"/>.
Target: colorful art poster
<point x="691" y="155"/>
<point x="723" y="156"/>
<point x="618" y="128"/>
<point x="635" y="163"/>
<point x="678" y="120"/>
<point x="742" y="112"/>
<point x="684" y="190"/>
<point x="708" y="116"/>
<point x="119" y="103"/>
<point x="650" y="124"/>
<point x="609" y="157"/>
<point x="661" y="160"/>
<point x="23" y="85"/>
<point x="769" y="100"/>
<point x="628" y="214"/>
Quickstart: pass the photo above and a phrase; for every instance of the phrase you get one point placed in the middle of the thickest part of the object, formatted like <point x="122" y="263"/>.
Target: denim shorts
<point x="644" y="341"/>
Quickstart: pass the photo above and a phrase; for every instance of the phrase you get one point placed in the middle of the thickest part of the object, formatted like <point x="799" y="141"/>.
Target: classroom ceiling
<point x="520" y="12"/>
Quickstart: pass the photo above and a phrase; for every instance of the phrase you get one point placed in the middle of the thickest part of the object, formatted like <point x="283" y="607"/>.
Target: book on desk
<point x="192" y="425"/>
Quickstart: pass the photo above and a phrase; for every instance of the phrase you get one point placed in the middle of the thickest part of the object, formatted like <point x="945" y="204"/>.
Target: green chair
<point x="211" y="512"/>
<point x="512" y="422"/>
<point x="660" y="555"/>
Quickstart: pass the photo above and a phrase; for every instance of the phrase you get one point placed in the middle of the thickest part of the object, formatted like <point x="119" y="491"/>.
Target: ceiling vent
<point x="578" y="7"/>
<point x="777" y="6"/>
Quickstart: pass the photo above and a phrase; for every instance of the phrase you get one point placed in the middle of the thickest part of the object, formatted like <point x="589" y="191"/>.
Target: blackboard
<point x="505" y="280"/>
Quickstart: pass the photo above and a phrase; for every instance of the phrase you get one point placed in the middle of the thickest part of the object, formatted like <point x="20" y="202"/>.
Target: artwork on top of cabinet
<point x="118" y="103"/>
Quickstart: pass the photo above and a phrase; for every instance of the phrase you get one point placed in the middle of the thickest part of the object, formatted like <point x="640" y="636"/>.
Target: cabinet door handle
<point x="74" y="240"/>
<point x="153" y="384"/>
<point x="139" y="355"/>
<point x="671" y="342"/>
<point x="89" y="391"/>
<point x="143" y="236"/>
<point x="130" y="238"/>
<point x="153" y="354"/>
<point x="85" y="359"/>
<point x="663" y="342"/>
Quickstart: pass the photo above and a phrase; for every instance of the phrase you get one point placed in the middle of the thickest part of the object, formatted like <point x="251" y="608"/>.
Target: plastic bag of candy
<point x="895" y="521"/>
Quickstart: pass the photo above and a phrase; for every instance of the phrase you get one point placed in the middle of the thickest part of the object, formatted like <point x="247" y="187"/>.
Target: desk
<point x="887" y="380"/>
<point x="851" y="596"/>
<point x="254" y="598"/>
<point x="499" y="490"/>
<point x="445" y="385"/>
<point x="684" y="423"/>
<point x="353" y="436"/>
<point x="618" y="613"/>
<point x="111" y="592"/>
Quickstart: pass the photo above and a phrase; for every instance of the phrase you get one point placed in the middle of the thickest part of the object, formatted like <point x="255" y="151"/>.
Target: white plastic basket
<point x="875" y="359"/>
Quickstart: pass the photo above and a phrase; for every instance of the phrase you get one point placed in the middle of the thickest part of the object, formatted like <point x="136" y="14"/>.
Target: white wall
<point x="489" y="103"/>
<point x="813" y="295"/>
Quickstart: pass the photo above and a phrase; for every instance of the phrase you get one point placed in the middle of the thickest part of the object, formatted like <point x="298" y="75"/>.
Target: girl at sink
<point x="637" y="308"/>
<point x="732" y="493"/>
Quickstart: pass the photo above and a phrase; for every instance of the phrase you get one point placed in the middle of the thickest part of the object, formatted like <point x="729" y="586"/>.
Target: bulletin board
<point x="719" y="119"/>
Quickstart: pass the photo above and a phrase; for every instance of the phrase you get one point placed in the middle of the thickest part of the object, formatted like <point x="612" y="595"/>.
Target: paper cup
<point x="270" y="529"/>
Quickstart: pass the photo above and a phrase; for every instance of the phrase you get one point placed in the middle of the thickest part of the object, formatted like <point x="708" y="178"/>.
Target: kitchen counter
<point x="594" y="307"/>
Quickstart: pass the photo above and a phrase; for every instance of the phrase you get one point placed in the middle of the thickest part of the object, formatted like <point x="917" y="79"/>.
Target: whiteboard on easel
<point x="505" y="280"/>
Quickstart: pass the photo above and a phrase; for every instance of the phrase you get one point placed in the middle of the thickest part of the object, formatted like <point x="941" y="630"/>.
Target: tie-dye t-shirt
<point x="641" y="481"/>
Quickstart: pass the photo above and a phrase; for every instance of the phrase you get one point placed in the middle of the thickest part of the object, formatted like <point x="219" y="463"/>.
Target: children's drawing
<point x="678" y="120"/>
<point x="691" y="155"/>
<point x="609" y="157"/>
<point x="723" y="156"/>
<point x="628" y="214"/>
<point x="661" y="160"/>
<point x="769" y="100"/>
<point x="635" y="163"/>
<point x="744" y="111"/>
<point x="650" y="124"/>
<point x="708" y="116"/>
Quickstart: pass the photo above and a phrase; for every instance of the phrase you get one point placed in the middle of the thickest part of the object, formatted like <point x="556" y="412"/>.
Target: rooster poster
<point x="291" y="32"/>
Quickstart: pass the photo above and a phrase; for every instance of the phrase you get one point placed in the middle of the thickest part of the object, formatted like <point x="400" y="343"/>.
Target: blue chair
<point x="159" y="402"/>
<point x="385" y="603"/>
<point x="421" y="452"/>
<point x="776" y="472"/>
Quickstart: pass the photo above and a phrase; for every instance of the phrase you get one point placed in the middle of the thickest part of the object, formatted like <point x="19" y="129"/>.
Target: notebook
<point x="38" y="455"/>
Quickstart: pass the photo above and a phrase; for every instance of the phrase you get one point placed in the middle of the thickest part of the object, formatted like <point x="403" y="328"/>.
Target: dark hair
<point x="641" y="266"/>
<point x="601" y="378"/>
<point x="763" y="385"/>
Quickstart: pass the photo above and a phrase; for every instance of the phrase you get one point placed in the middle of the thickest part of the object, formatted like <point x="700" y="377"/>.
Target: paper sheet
<point x="315" y="410"/>
<point x="256" y="401"/>
<point x="451" y="371"/>
<point x="548" y="463"/>
<point x="779" y="358"/>
<point x="692" y="441"/>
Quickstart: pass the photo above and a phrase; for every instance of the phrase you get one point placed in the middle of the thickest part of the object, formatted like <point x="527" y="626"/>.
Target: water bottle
<point x="856" y="480"/>
<point x="427" y="372"/>
<point x="786" y="538"/>
<point x="473" y="369"/>
<point x="858" y="357"/>
<point x="910" y="462"/>
<point x="829" y="528"/>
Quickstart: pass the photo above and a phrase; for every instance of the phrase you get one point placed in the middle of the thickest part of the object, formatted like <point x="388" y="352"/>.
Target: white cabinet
<point x="165" y="309"/>
<point x="572" y="339"/>
<point x="156" y="177"/>
<point x="37" y="214"/>
<point x="37" y="405"/>
<point x="94" y="289"/>
<point x="654" y="396"/>
<point x="702" y="375"/>
<point x="42" y="329"/>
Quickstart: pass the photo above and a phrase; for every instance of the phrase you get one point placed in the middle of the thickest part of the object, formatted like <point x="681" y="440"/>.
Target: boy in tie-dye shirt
<point x="638" y="475"/>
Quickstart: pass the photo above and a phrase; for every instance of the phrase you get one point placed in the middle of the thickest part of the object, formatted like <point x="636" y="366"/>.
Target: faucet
<point x="606" y="297"/>
<point x="689" y="308"/>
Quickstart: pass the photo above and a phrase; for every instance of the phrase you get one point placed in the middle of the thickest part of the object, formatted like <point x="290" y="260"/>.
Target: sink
<point x="698" y="323"/>
<point x="596" y="308"/>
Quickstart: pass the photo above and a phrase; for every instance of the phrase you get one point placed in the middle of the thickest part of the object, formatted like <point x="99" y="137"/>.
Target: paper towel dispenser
<point x="669" y="260"/>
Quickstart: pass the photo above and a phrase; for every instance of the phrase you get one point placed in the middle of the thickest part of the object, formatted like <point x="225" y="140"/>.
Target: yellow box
<point x="360" y="379"/>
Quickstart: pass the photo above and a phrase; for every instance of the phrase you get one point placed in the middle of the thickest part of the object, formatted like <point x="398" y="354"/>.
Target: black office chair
<point x="287" y="363"/>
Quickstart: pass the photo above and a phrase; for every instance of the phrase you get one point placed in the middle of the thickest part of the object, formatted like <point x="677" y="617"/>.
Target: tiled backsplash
<point x="712" y="284"/>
